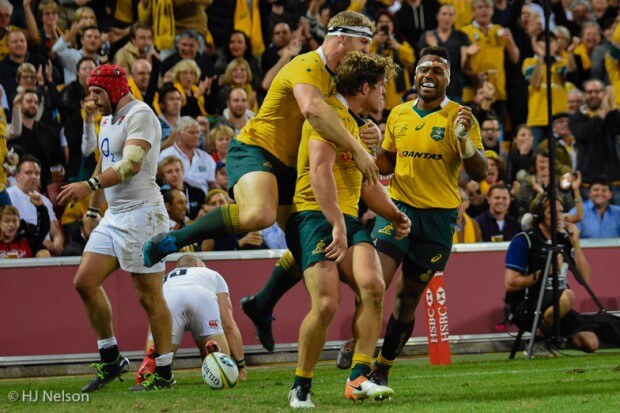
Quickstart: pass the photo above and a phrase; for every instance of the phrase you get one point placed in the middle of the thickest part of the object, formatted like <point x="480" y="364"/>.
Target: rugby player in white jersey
<point x="199" y="302"/>
<point x="129" y="141"/>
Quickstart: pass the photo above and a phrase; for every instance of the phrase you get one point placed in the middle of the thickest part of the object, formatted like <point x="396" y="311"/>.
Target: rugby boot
<point x="212" y="347"/>
<point x="154" y="382"/>
<point x="345" y="355"/>
<point x="379" y="376"/>
<point x="147" y="367"/>
<point x="261" y="321"/>
<point x="106" y="372"/>
<point x="157" y="248"/>
<point x="362" y="388"/>
<point x="299" y="397"/>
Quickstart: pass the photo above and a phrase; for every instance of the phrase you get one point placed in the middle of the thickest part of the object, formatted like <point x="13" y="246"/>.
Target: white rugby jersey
<point x="200" y="277"/>
<point x="135" y="120"/>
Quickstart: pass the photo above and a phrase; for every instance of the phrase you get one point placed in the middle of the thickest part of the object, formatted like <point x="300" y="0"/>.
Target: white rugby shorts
<point x="195" y="310"/>
<point x="122" y="235"/>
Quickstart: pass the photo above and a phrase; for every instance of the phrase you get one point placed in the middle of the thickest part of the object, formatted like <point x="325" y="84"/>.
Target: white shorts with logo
<point x="193" y="309"/>
<point x="122" y="235"/>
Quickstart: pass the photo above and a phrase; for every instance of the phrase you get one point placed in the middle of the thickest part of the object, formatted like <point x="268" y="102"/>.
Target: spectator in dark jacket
<point x="38" y="139"/>
<point x="596" y="127"/>
<point x="70" y="103"/>
<point x="496" y="224"/>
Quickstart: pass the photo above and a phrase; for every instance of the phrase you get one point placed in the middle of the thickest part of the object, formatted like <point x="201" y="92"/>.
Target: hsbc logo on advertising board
<point x="429" y="297"/>
<point x="441" y="296"/>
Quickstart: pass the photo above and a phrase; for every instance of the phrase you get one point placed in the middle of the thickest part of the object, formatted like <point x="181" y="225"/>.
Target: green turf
<point x="574" y="382"/>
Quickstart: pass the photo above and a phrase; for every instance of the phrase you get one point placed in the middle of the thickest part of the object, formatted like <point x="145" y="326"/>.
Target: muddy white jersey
<point x="199" y="277"/>
<point x="135" y="120"/>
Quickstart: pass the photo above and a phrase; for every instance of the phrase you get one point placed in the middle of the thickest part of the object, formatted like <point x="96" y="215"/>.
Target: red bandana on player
<point x="111" y="78"/>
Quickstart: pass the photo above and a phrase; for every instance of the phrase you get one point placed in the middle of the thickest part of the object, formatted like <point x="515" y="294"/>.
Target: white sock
<point x="164" y="359"/>
<point x="106" y="342"/>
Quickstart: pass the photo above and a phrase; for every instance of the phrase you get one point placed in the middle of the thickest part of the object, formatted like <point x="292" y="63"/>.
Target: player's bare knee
<point x="372" y="289"/>
<point x="326" y="309"/>
<point x="150" y="301"/>
<point x="255" y="218"/>
<point x="83" y="285"/>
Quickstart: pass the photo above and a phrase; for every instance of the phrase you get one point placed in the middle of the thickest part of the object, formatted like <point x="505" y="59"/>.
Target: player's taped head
<point x="112" y="79"/>
<point x="351" y="24"/>
<point x="434" y="56"/>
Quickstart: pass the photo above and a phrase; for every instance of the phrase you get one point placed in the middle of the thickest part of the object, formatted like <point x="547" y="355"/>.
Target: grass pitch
<point x="574" y="382"/>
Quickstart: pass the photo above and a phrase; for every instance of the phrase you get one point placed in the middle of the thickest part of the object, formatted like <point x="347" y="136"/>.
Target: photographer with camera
<point x="525" y="265"/>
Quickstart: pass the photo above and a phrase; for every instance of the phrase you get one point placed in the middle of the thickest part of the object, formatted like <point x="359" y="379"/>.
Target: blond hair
<point x="26" y="67"/>
<point x="80" y="11"/>
<point x="219" y="130"/>
<point x="185" y="65"/>
<point x="239" y="61"/>
<point x="47" y="5"/>
<point x="214" y="192"/>
<point x="9" y="210"/>
<point x="350" y="18"/>
<point x="169" y="160"/>
<point x="358" y="68"/>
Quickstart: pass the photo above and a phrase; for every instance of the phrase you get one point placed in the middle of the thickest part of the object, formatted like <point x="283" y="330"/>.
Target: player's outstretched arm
<point x="134" y="152"/>
<point x="326" y="122"/>
<point x="322" y="160"/>
<point x="231" y="331"/>
<point x="376" y="198"/>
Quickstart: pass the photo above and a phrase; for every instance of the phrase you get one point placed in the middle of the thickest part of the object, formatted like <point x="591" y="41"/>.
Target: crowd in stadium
<point x="204" y="66"/>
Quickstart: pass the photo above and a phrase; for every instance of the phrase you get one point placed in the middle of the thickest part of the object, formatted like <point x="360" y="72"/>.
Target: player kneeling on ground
<point x="199" y="302"/>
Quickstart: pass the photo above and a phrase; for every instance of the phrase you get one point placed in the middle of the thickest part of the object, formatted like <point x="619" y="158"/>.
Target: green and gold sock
<point x="219" y="222"/>
<point x="303" y="378"/>
<point x="382" y="363"/>
<point x="286" y="274"/>
<point x="361" y="365"/>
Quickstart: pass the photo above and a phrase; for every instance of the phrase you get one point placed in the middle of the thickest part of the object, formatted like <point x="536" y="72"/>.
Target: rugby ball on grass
<point x="220" y="371"/>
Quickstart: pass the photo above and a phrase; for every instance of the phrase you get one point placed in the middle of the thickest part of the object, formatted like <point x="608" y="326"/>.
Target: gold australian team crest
<point x="438" y="133"/>
<point x="387" y="230"/>
<point x="320" y="247"/>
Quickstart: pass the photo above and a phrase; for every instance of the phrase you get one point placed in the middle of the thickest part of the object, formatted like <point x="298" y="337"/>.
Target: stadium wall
<point x="43" y="315"/>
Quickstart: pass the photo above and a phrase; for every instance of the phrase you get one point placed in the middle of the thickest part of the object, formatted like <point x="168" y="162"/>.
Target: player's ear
<point x="366" y="88"/>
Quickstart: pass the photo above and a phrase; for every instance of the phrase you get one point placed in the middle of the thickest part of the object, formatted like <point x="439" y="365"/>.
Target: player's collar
<point x="321" y="54"/>
<point x="342" y="100"/>
<point x="442" y="105"/>
<point x="358" y="119"/>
